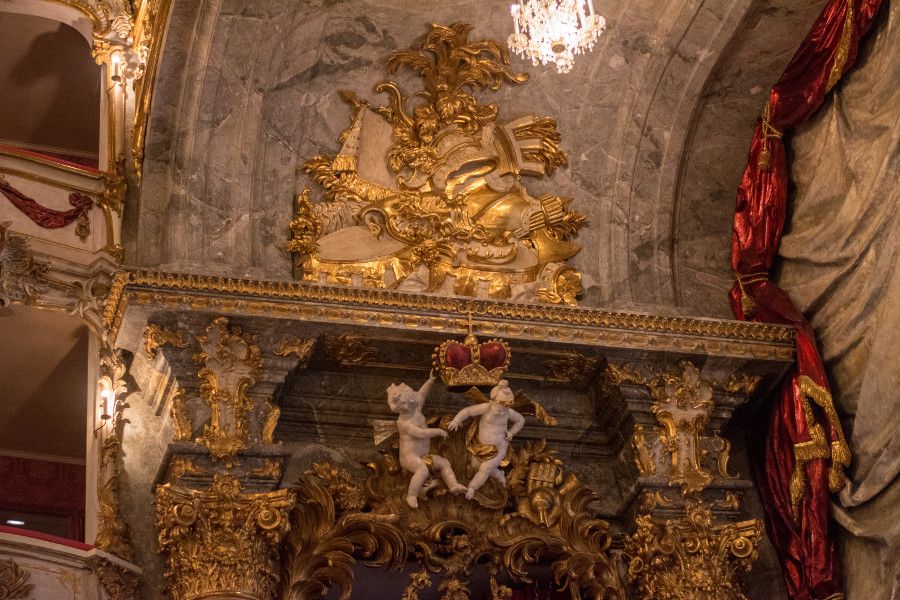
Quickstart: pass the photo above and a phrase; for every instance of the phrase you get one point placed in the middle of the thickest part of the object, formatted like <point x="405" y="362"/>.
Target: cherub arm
<point x="468" y="413"/>
<point x="518" y="421"/>
<point x="421" y="432"/>
<point x="426" y="388"/>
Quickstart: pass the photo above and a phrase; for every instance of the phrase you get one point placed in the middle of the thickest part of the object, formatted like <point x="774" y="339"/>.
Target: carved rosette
<point x="690" y="558"/>
<point x="221" y="542"/>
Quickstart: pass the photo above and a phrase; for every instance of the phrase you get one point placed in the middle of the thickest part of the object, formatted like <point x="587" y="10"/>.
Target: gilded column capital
<point x="221" y="542"/>
<point x="691" y="557"/>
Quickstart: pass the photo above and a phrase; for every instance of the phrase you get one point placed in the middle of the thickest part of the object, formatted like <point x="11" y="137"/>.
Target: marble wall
<point x="247" y="90"/>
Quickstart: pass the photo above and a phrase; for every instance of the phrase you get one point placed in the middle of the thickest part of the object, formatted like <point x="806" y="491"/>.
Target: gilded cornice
<point x="283" y="299"/>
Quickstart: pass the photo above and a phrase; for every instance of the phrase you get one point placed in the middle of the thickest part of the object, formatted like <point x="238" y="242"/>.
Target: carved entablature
<point x="427" y="193"/>
<point x="542" y="513"/>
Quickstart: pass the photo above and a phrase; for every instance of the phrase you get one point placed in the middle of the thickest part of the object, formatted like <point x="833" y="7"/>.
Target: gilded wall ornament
<point x="429" y="196"/>
<point x="292" y="345"/>
<point x="113" y="534"/>
<point x="349" y="349"/>
<point x="157" y="336"/>
<point x="14" y="581"/>
<point x="21" y="277"/>
<point x="231" y="364"/>
<point x="682" y="404"/>
<point x="221" y="540"/>
<point x="571" y="367"/>
<point x="119" y="583"/>
<point x="690" y="558"/>
<point x="182" y="427"/>
<point x="338" y="521"/>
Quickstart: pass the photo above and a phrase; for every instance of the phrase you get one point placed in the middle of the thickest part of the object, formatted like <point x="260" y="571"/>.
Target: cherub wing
<point x="382" y="429"/>
<point x="477" y="395"/>
<point x="526" y="406"/>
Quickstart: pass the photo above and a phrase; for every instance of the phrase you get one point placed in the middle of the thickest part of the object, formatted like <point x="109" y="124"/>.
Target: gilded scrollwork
<point x="182" y="427"/>
<point x="22" y="278"/>
<point x="682" y="404"/>
<point x="690" y="558"/>
<point x="113" y="534"/>
<point x="571" y="367"/>
<point x="642" y="451"/>
<point x="292" y="345"/>
<point x="338" y="521"/>
<point x="157" y="336"/>
<point x="349" y="349"/>
<point x="230" y="365"/>
<point x="118" y="582"/>
<point x="221" y="541"/>
<point x="14" y="581"/>
<point x="443" y="207"/>
<point x="741" y="383"/>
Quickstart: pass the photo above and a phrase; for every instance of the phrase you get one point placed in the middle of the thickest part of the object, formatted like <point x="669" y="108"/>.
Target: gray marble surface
<point x="247" y="91"/>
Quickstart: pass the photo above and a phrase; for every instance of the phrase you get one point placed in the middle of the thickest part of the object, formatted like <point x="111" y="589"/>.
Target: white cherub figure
<point x="493" y="437"/>
<point x="415" y="440"/>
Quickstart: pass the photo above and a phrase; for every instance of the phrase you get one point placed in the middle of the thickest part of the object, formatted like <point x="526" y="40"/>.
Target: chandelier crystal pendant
<point x="554" y="31"/>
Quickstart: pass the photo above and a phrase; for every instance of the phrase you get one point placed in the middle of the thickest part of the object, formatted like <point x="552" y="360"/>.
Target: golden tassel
<point x="748" y="304"/>
<point x="764" y="162"/>
<point x="765" y="157"/>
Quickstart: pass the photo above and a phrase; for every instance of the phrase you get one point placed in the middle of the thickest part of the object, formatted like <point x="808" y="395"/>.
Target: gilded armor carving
<point x="338" y="521"/>
<point x="690" y="558"/>
<point x="221" y="540"/>
<point x="430" y="196"/>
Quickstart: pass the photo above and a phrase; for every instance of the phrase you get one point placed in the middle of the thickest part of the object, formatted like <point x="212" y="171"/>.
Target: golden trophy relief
<point x="427" y="193"/>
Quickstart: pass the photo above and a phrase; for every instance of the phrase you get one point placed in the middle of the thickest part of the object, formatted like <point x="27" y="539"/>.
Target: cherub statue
<point x="493" y="437"/>
<point x="415" y="440"/>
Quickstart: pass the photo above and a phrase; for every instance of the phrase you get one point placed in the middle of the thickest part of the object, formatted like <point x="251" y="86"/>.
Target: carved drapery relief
<point x="13" y="581"/>
<point x="338" y="521"/>
<point x="690" y="558"/>
<point x="221" y="541"/>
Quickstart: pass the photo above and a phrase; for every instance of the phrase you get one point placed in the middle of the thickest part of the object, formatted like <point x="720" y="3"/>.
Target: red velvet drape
<point x="803" y="453"/>
<point x="44" y="487"/>
<point x="47" y="218"/>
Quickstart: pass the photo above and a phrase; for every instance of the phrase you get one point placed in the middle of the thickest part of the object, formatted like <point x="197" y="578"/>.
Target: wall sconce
<point x="106" y="399"/>
<point x="116" y="60"/>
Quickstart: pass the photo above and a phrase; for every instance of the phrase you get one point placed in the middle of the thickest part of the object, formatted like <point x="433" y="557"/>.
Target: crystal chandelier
<point x="554" y="31"/>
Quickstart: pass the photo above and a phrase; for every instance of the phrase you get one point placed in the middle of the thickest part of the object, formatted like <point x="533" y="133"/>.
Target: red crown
<point x="469" y="363"/>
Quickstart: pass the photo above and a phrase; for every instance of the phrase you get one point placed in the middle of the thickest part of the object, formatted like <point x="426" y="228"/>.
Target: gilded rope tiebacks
<point x="768" y="131"/>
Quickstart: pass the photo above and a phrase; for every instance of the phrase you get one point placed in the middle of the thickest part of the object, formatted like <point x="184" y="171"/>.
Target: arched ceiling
<point x="656" y="122"/>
